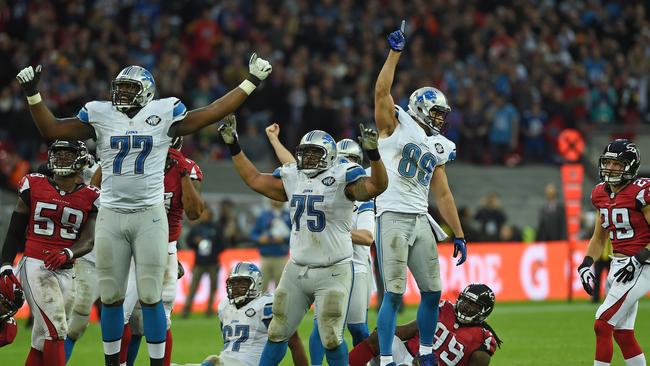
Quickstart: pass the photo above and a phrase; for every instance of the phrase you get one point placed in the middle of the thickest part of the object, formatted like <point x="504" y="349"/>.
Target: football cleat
<point x="425" y="360"/>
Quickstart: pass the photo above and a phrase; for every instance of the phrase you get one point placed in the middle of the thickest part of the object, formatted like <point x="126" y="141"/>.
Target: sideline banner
<point x="515" y="271"/>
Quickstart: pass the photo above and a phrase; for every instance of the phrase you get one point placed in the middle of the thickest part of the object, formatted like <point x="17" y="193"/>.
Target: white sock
<point x="385" y="360"/>
<point x="111" y="348"/>
<point x="425" y="350"/>
<point x="599" y="363"/>
<point x="156" y="350"/>
<point x="123" y="364"/>
<point x="638" y="360"/>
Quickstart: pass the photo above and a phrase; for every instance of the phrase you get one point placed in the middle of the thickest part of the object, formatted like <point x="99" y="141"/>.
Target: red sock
<point x="168" y="349"/>
<point x="604" y="344"/>
<point x="34" y="358"/>
<point x="54" y="352"/>
<point x="627" y="343"/>
<point x="124" y="347"/>
<point x="361" y="354"/>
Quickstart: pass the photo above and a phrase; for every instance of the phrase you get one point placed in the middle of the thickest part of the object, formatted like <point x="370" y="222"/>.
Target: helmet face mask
<point x="475" y="303"/>
<point x="134" y="87"/>
<point x="68" y="157"/>
<point x="619" y="162"/>
<point x="315" y="153"/>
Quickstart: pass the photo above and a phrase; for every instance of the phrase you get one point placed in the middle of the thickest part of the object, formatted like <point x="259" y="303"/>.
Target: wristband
<point x="234" y="148"/>
<point x="643" y="255"/>
<point x="247" y="86"/>
<point x="373" y="154"/>
<point x="69" y="253"/>
<point x="34" y="99"/>
<point x="587" y="262"/>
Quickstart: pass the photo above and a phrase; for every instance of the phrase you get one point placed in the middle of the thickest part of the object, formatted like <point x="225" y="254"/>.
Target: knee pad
<point x="331" y="319"/>
<point x="603" y="328"/>
<point x="278" y="327"/>
<point x="109" y="291"/>
<point x="149" y="289"/>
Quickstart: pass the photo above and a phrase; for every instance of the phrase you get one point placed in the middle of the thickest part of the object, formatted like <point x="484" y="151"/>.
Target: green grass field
<point x="544" y="333"/>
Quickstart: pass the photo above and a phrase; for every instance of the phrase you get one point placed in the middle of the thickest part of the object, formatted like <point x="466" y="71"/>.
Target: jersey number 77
<point x="124" y="144"/>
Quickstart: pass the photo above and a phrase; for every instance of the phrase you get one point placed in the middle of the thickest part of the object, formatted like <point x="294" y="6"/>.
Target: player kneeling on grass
<point x="463" y="338"/>
<point x="11" y="299"/>
<point x="621" y="201"/>
<point x="55" y="219"/>
<point x="245" y="317"/>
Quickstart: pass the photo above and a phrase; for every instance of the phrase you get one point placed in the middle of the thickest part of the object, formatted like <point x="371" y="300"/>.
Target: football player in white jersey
<point x="363" y="227"/>
<point x="133" y="133"/>
<point x="416" y="153"/>
<point x="245" y="317"/>
<point x="320" y="270"/>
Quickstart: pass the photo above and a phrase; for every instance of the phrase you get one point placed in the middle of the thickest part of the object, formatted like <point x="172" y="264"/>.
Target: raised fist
<point x="259" y="67"/>
<point x="28" y="79"/>
<point x="396" y="39"/>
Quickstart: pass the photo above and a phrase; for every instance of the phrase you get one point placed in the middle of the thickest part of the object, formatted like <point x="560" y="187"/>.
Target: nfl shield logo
<point x="153" y="120"/>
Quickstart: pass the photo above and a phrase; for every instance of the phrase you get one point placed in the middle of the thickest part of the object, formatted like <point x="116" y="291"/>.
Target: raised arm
<point x="265" y="184"/>
<point x="192" y="201"/>
<point x="384" y="104"/>
<point x="259" y="69"/>
<point x="362" y="235"/>
<point x="369" y="187"/>
<point x="50" y="127"/>
<point x="284" y="155"/>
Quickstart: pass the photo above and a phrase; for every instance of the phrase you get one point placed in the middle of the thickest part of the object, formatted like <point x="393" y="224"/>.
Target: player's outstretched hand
<point x="10" y="287"/>
<point x="369" y="139"/>
<point x="460" y="247"/>
<point x="179" y="159"/>
<point x="272" y="131"/>
<point x="396" y="39"/>
<point x="28" y="79"/>
<point x="626" y="273"/>
<point x="259" y="67"/>
<point x="228" y="129"/>
<point x="55" y="260"/>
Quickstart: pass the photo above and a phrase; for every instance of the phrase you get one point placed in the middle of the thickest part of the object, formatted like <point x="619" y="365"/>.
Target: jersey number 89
<point x="413" y="161"/>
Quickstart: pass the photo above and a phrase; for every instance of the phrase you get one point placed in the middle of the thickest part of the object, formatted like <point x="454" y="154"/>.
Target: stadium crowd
<point x="515" y="72"/>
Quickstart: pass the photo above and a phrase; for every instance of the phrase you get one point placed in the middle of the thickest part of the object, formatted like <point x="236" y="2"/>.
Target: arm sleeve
<point x="83" y="114"/>
<point x="267" y="313"/>
<point x="15" y="238"/>
<point x="489" y="344"/>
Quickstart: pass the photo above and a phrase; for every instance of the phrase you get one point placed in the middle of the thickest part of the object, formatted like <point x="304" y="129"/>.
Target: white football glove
<point x="28" y="79"/>
<point x="259" y="67"/>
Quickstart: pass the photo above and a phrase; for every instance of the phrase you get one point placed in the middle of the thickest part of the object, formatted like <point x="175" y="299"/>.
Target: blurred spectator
<point x="490" y="217"/>
<point x="510" y="233"/>
<point x="206" y="239"/>
<point x="532" y="127"/>
<point x="467" y="222"/>
<point x="504" y="125"/>
<point x="228" y="224"/>
<point x="271" y="234"/>
<point x="552" y="217"/>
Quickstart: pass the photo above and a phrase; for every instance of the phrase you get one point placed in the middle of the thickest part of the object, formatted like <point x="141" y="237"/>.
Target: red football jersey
<point x="56" y="217"/>
<point x="454" y="343"/>
<point x="174" y="195"/>
<point x="621" y="215"/>
<point x="8" y="331"/>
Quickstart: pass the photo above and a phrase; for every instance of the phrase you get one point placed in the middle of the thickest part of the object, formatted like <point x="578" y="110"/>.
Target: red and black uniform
<point x="8" y="330"/>
<point x="174" y="195"/>
<point x="455" y="342"/>
<point x="56" y="217"/>
<point x="622" y="216"/>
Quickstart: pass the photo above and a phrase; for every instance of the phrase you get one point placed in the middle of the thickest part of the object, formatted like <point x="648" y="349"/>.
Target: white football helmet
<point x="134" y="87"/>
<point x="348" y="148"/>
<point x="247" y="271"/>
<point x="316" y="152"/>
<point x="429" y="106"/>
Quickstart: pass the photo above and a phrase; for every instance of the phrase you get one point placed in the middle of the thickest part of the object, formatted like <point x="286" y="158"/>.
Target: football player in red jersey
<point x="462" y="337"/>
<point x="55" y="218"/>
<point x="182" y="194"/>
<point x="621" y="201"/>
<point x="11" y="299"/>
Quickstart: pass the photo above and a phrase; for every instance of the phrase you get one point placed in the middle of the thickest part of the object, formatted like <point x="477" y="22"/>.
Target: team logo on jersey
<point x="250" y="312"/>
<point x="439" y="148"/>
<point x="328" y="181"/>
<point x="153" y="120"/>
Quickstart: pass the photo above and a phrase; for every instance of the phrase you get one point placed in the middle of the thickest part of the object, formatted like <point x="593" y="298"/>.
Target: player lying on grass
<point x="463" y="338"/>
<point x="245" y="316"/>
<point x="55" y="219"/>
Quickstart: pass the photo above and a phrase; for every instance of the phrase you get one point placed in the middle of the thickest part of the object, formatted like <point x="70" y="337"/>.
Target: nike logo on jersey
<point x="156" y="220"/>
<point x="335" y="274"/>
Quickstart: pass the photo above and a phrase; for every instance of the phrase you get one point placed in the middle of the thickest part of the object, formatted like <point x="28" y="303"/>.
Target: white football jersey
<point x="363" y="218"/>
<point x="245" y="330"/>
<point x="132" y="151"/>
<point x="410" y="157"/>
<point x="321" y="214"/>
